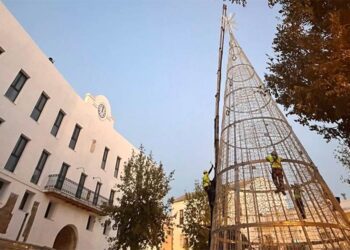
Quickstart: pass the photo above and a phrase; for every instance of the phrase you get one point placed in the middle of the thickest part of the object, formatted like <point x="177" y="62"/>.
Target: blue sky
<point x="156" y="62"/>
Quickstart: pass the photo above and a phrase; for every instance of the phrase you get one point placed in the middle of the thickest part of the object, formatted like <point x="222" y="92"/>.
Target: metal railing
<point x="69" y="189"/>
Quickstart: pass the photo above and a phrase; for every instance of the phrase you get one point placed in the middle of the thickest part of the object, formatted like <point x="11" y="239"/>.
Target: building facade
<point x="345" y="204"/>
<point x="60" y="157"/>
<point x="176" y="239"/>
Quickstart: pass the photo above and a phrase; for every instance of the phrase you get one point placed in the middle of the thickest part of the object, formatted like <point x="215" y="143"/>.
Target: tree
<point x="343" y="155"/>
<point x="197" y="218"/>
<point x="140" y="213"/>
<point x="310" y="73"/>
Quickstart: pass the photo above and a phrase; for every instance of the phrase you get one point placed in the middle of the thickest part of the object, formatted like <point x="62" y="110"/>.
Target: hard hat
<point x="205" y="171"/>
<point x="274" y="153"/>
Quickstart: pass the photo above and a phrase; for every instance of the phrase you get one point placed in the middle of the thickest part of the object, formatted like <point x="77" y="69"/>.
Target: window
<point x="116" y="169"/>
<point x="16" y="153"/>
<point x="3" y="186"/>
<point x="106" y="227"/>
<point x="104" y="158"/>
<point x="39" y="167"/>
<point x="90" y="223"/>
<point x="75" y="135"/>
<point x="181" y="217"/>
<point x="58" y="121"/>
<point x="97" y="193"/>
<point x="80" y="185"/>
<point x="111" y="197"/>
<point x="16" y="86"/>
<point x="49" y="210"/>
<point x="25" y="200"/>
<point x="61" y="176"/>
<point x="39" y="106"/>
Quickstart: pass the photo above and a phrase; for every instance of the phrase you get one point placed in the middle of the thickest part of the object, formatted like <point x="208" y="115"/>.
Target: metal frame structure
<point x="248" y="213"/>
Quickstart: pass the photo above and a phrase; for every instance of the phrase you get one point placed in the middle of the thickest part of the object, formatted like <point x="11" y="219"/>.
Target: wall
<point x="175" y="237"/>
<point x="22" y="53"/>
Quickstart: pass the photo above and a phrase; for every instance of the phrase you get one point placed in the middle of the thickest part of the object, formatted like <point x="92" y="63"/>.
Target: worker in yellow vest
<point x="206" y="181"/>
<point x="209" y="186"/>
<point x="298" y="200"/>
<point x="277" y="172"/>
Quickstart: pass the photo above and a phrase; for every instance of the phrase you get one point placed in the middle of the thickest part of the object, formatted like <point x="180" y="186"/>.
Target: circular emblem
<point x="101" y="110"/>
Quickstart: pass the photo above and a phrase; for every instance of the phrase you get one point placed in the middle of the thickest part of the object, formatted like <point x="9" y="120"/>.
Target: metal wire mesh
<point x="248" y="213"/>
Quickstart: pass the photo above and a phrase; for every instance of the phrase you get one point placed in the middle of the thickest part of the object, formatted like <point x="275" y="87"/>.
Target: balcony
<point x="67" y="190"/>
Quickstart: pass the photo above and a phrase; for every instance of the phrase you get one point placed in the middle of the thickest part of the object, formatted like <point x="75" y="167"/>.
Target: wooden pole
<point x="217" y="105"/>
<point x="218" y="87"/>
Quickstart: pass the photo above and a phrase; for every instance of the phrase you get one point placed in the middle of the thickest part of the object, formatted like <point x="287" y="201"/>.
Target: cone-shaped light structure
<point x="249" y="213"/>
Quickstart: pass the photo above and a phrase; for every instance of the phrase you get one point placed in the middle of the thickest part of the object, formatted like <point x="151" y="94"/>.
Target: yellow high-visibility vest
<point x="205" y="180"/>
<point x="275" y="162"/>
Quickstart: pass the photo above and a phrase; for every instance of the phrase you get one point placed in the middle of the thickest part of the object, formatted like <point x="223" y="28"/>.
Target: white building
<point x="179" y="239"/>
<point x="176" y="239"/>
<point x="345" y="205"/>
<point x="60" y="157"/>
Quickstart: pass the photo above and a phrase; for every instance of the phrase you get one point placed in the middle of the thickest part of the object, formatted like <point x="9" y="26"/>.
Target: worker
<point x="206" y="179"/>
<point x="298" y="200"/>
<point x="277" y="172"/>
<point x="211" y="193"/>
<point x="209" y="187"/>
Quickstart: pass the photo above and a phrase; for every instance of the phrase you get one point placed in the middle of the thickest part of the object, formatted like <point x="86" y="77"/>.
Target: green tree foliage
<point x="343" y="155"/>
<point x="197" y="218"/>
<point x="310" y="73"/>
<point x="140" y="213"/>
<point x="243" y="2"/>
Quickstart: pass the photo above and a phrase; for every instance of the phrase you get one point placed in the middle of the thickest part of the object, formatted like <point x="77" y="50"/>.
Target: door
<point x="62" y="176"/>
<point x="80" y="185"/>
<point x="97" y="193"/>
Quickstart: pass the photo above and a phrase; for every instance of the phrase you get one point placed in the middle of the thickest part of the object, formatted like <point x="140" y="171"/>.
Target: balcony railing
<point x="68" y="190"/>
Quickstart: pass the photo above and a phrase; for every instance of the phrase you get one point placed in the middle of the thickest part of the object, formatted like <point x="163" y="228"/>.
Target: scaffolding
<point x="249" y="213"/>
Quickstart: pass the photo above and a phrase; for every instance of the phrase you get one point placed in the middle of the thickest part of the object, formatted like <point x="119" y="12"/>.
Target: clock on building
<point x="101" y="110"/>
